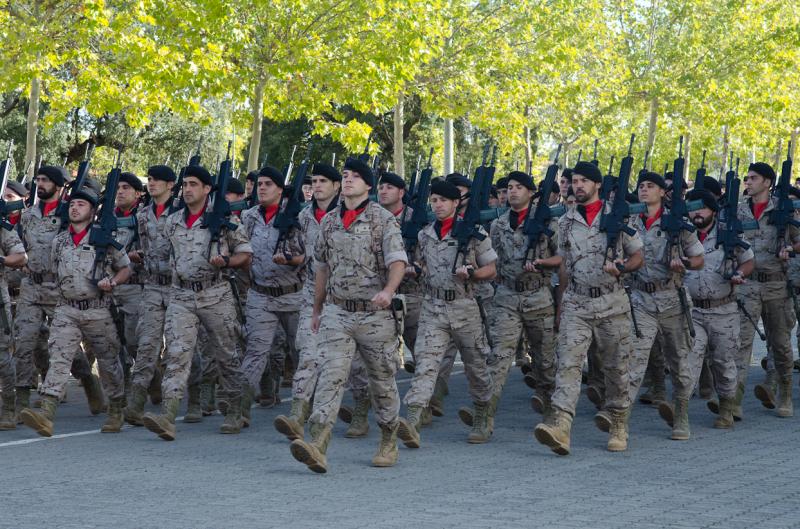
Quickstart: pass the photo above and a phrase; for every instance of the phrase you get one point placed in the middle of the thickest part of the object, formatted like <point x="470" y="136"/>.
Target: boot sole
<point x="766" y="396"/>
<point x="156" y="428"/>
<point x="466" y="416"/>
<point x="284" y="426"/>
<point x="405" y="435"/>
<point x="345" y="414"/>
<point x="384" y="464"/>
<point x="436" y="410"/>
<point x="301" y="453"/>
<point x="529" y="381"/>
<point x="6" y="427"/>
<point x="191" y="419"/>
<point x="111" y="430"/>
<point x="784" y="414"/>
<point x="602" y="422"/>
<point x="666" y="412"/>
<point x="410" y="367"/>
<point x="617" y="448"/>
<point x="545" y="438"/>
<point x="679" y="437"/>
<point x="33" y="422"/>
<point x="537" y="405"/>
<point x="477" y="440"/>
<point x="355" y="435"/>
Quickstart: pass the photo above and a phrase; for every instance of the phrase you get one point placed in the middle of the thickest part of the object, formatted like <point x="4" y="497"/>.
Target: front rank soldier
<point x="360" y="263"/>
<point x="200" y="295"/>
<point x="450" y="315"/>
<point x="714" y="312"/>
<point x="82" y="314"/>
<point x="594" y="307"/>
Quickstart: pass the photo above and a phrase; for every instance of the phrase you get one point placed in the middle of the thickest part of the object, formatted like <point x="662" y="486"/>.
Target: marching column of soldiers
<point x="214" y="291"/>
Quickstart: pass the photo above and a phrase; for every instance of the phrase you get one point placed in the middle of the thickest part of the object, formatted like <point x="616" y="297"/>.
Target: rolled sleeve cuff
<point x="396" y="256"/>
<point x="486" y="258"/>
<point x="243" y="248"/>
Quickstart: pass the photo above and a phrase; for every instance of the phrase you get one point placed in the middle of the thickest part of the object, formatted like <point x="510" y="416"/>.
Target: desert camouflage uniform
<point x="128" y="297"/>
<point x="10" y="243"/>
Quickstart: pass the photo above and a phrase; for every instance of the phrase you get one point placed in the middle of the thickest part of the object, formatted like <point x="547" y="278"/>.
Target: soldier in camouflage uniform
<point x="714" y="312"/>
<point x="82" y="314"/>
<point x="200" y="296"/>
<point x="326" y="182"/>
<point x="38" y="294"/>
<point x="360" y="263"/>
<point x="275" y="297"/>
<point x="594" y="307"/>
<point x="765" y="295"/>
<point x="152" y="255"/>
<point x="449" y="314"/>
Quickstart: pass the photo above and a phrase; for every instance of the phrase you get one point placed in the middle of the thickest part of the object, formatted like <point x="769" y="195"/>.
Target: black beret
<point x="93" y="185"/>
<point x="393" y="180"/>
<point x="493" y="191"/>
<point x="588" y="170"/>
<point x="86" y="193"/>
<point x="712" y="185"/>
<point x="522" y="178"/>
<point x="132" y="180"/>
<point x="567" y="173"/>
<point x="235" y="186"/>
<point x="162" y="172"/>
<point x="709" y="200"/>
<point x="57" y="175"/>
<point x="17" y="187"/>
<point x="793" y="192"/>
<point x="328" y="171"/>
<point x="199" y="172"/>
<point x="668" y="175"/>
<point x="502" y="183"/>
<point x="273" y="174"/>
<point x="307" y="180"/>
<point x="764" y="169"/>
<point x="363" y="170"/>
<point x="655" y="178"/>
<point x="253" y="175"/>
<point x="445" y="189"/>
<point x="458" y="179"/>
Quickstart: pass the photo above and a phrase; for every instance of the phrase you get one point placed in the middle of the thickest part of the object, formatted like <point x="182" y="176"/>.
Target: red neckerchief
<point x="590" y="211"/>
<point x="48" y="207"/>
<point x="702" y="235"/>
<point x="349" y="215"/>
<point x="319" y="213"/>
<point x="118" y="212"/>
<point x="160" y="208"/>
<point x="77" y="236"/>
<point x="269" y="212"/>
<point x="13" y="219"/>
<point x="191" y="219"/>
<point x="758" y="209"/>
<point x="443" y="227"/>
<point x="399" y="211"/>
<point x="649" y="221"/>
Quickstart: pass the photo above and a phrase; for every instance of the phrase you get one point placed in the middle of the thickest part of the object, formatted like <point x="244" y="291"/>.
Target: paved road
<point x="747" y="477"/>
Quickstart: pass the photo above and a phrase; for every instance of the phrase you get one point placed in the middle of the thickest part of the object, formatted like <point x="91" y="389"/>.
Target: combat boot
<point x="602" y="419"/>
<point x="680" y="420"/>
<point x="440" y="391"/>
<point x="114" y="420"/>
<point x="247" y="402"/>
<point x="540" y="404"/>
<point x="738" y="414"/>
<point x="233" y="419"/>
<point x="657" y="390"/>
<point x="595" y="396"/>
<point x="8" y="420"/>
<point x="154" y="389"/>
<point x="410" y="366"/>
<point x="345" y="414"/>
<point x="94" y="394"/>
<point x="269" y="391"/>
<point x="41" y="421"/>
<point x="766" y="392"/>
<point x="427" y="417"/>
<point x="785" y="408"/>
<point x="312" y="453"/>
<point x="207" y="404"/>
<point x="554" y="432"/>
<point x="725" y="419"/>
<point x="292" y="426"/>
<point x="408" y="430"/>
<point x="481" y="433"/>
<point x="387" y="453"/>
<point x="359" y="426"/>
<point x="666" y="412"/>
<point x="618" y="440"/>
<point x="194" y="412"/>
<point x="466" y="415"/>
<point x="135" y="409"/>
<point x="23" y="401"/>
<point x="163" y="425"/>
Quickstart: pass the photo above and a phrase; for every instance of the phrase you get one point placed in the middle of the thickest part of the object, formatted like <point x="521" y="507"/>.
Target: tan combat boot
<point x="292" y="426"/>
<point x="466" y="415"/>
<point x="765" y="392"/>
<point x="725" y="419"/>
<point x="602" y="419"/>
<point x="554" y="432"/>
<point x="359" y="426"/>
<point x="114" y="421"/>
<point x="163" y="425"/>
<point x="154" y="389"/>
<point x="785" y="408"/>
<point x="41" y="421"/>
<point x="481" y="433"/>
<point x="408" y="430"/>
<point x="680" y="421"/>
<point x="194" y="413"/>
<point x="427" y="417"/>
<point x="667" y="412"/>
<point x="657" y="390"/>
<point x="135" y="409"/>
<point x="94" y="394"/>
<point x="387" y="453"/>
<point x="738" y="414"/>
<point x="207" y="402"/>
<point x="23" y="401"/>
<point x="233" y="422"/>
<point x="540" y="404"/>
<point x="312" y="453"/>
<point x="440" y="391"/>
<point x="618" y="439"/>
<point x="8" y="421"/>
<point x="247" y="402"/>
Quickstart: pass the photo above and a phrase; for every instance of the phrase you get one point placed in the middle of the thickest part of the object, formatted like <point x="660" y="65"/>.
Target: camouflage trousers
<point x="96" y="329"/>
<point x="150" y="332"/>
<point x="129" y="302"/>
<point x="509" y="320"/>
<point x="778" y="318"/>
<point x="373" y="337"/>
<point x="262" y="326"/>
<point x="187" y="311"/>
<point x="717" y="340"/>
<point x="307" y="372"/>
<point x="8" y="374"/>
<point x="36" y="303"/>
<point x="670" y="328"/>
<point x="611" y="332"/>
<point x="443" y="323"/>
<point x="411" y="320"/>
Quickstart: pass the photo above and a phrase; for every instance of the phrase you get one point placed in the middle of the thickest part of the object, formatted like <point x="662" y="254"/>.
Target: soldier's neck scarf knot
<point x="48" y="207"/>
<point x="349" y="215"/>
<point x="516" y="218"/>
<point x="269" y="212"/>
<point x="758" y="209"/>
<point x="590" y="211"/>
<point x="649" y="221"/>
<point x="443" y="227"/>
<point x="77" y="236"/>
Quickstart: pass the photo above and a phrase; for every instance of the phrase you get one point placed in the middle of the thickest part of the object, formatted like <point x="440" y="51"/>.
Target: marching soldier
<point x="360" y="263"/>
<point x="82" y="314"/>
<point x="450" y="314"/>
<point x="594" y="307"/>
<point x="200" y="296"/>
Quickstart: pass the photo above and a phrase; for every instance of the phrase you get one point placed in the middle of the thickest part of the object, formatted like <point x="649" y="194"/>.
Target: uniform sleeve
<point x="484" y="252"/>
<point x="692" y="247"/>
<point x="393" y="248"/>
<point x="320" y="255"/>
<point x="794" y="233"/>
<point x="742" y="256"/>
<point x="562" y="237"/>
<point x="632" y="243"/>
<point x="12" y="243"/>
<point x="294" y="242"/>
<point x="238" y="240"/>
<point x="552" y="244"/>
<point x="119" y="260"/>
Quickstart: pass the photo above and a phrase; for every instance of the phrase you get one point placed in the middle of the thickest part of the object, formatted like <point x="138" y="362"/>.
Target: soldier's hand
<point x="106" y="284"/>
<point x="314" y="322"/>
<point x="280" y="259"/>
<point x="382" y="299"/>
<point x="676" y="265"/>
<point x="785" y="253"/>
<point x="462" y="272"/>
<point x="533" y="266"/>
<point x="737" y="278"/>
<point x="611" y="268"/>
<point x="218" y="261"/>
<point x="135" y="257"/>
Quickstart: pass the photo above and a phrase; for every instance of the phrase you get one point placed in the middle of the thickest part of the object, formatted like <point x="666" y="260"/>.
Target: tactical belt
<point x="766" y="277"/>
<point x="591" y="292"/>
<point x="198" y="286"/>
<point x="277" y="292"/>
<point x="86" y="304"/>
<point x="518" y="285"/>
<point x="13" y="291"/>
<point x="653" y="286"/>
<point x="354" y="305"/>
<point x="162" y="280"/>
<point x="408" y="288"/>
<point x="712" y="303"/>
<point x="444" y="294"/>
<point x="42" y="277"/>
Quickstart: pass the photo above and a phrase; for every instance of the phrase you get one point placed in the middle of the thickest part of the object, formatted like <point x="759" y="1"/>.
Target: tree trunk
<point x="651" y="132"/>
<point x="777" y="160"/>
<point x="32" y="128"/>
<point x="399" y="120"/>
<point x="725" y="150"/>
<point x="526" y="137"/>
<point x="255" y="129"/>
<point x="448" y="146"/>
<point x="795" y="133"/>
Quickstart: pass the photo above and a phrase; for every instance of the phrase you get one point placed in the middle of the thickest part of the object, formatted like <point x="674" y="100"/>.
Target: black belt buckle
<point x="649" y="287"/>
<point x="350" y="305"/>
<point x="196" y="286"/>
<point x="703" y="303"/>
<point x="164" y="280"/>
<point x="595" y="292"/>
<point x="37" y="278"/>
<point x="519" y="286"/>
<point x="449" y="295"/>
<point x="82" y="304"/>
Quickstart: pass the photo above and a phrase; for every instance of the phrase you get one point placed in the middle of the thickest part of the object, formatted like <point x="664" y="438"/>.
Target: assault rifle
<point x="782" y="215"/>
<point x="595" y="161"/>
<point x="419" y="216"/>
<point x="538" y="223"/>
<point x="104" y="229"/>
<point x="218" y="217"/>
<point x="700" y="175"/>
<point x="286" y="219"/>
<point x="468" y="227"/>
<point x="7" y="208"/>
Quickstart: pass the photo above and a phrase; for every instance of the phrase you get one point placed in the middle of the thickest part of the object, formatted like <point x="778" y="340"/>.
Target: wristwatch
<point x="227" y="260"/>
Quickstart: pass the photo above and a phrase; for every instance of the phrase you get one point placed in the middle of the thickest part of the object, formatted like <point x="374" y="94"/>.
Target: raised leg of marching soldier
<point x="280" y="356"/>
<point x="357" y="416"/>
<point x="410" y="326"/>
